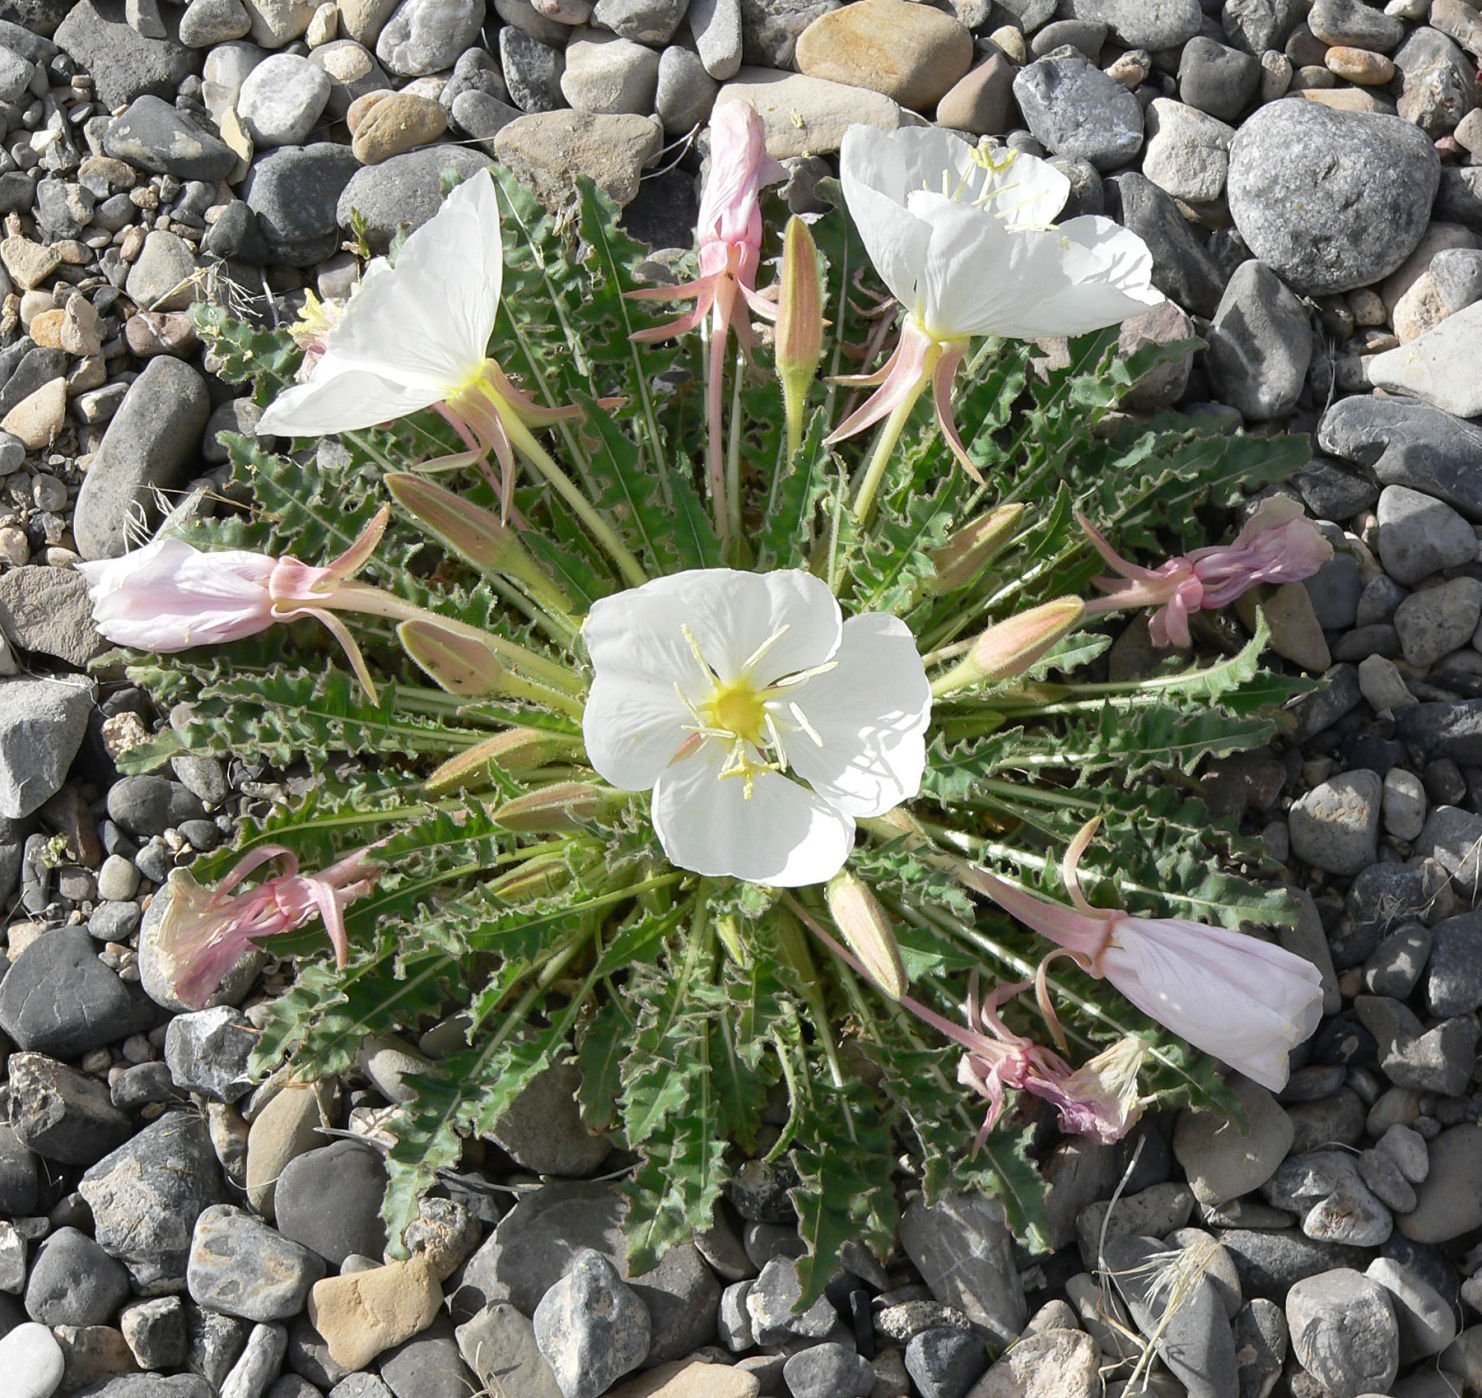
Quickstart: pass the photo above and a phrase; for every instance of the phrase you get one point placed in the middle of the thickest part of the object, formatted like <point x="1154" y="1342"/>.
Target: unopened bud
<point x="560" y="806"/>
<point x="972" y="548"/>
<point x="515" y="750"/>
<point x="867" y="932"/>
<point x="537" y="877"/>
<point x="453" y="661"/>
<point x="1011" y="647"/>
<point x="799" y="322"/>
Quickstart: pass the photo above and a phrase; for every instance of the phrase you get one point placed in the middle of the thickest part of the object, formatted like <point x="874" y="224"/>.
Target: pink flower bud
<point x="866" y="930"/>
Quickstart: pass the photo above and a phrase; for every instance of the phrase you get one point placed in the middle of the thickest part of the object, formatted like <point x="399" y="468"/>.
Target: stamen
<point x="776" y="736"/>
<point x="695" y="647"/>
<point x="765" y="646"/>
<point x="787" y="681"/>
<point x="802" y="722"/>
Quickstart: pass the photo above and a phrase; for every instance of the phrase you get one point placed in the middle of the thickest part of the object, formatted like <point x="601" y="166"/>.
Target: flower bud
<point x="973" y="547"/>
<point x="866" y="930"/>
<point x="799" y="321"/>
<point x="455" y="662"/>
<point x="537" y="877"/>
<point x="560" y="806"/>
<point x="1009" y="648"/>
<point x="515" y="750"/>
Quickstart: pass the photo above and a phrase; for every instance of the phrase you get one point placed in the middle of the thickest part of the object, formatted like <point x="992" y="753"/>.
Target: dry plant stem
<point x="561" y="483"/>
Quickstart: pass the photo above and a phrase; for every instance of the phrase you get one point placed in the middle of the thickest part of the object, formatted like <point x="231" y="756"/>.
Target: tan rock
<point x="278" y="22"/>
<point x="1437" y="238"/>
<point x="399" y="122"/>
<point x="690" y="1378"/>
<point x="325" y="25"/>
<point x="1295" y="632"/>
<point x="366" y="1313"/>
<point x="39" y="416"/>
<point x="1418" y="310"/>
<point x="1350" y="99"/>
<point x="548" y="150"/>
<point x="1047" y="1365"/>
<point x="912" y="54"/>
<point x="1359" y="65"/>
<point x="981" y="101"/>
<point x="360" y="108"/>
<point x="808" y="116"/>
<point x="46" y="328"/>
<point x="81" y="334"/>
<point x="28" y="263"/>
<point x="1009" y="41"/>
<point x="92" y="1353"/>
<point x="363" y="20"/>
<point x="285" y="1129"/>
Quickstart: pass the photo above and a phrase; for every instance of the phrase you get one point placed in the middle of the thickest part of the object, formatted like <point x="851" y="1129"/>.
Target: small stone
<point x="980" y="101"/>
<point x="945" y="1363"/>
<point x="282" y="100"/>
<point x="49" y="611"/>
<point x="1425" y="1320"/>
<point x="32" y="1361"/>
<point x="685" y="92"/>
<point x="1343" y="1330"/>
<point x="549" y="149"/>
<point x="242" y="1267"/>
<point x="1439" y="620"/>
<point x="961" y="1248"/>
<point x="40" y="732"/>
<point x="1224" y="1161"/>
<point x="426" y="36"/>
<point x="1335" y="826"/>
<point x="591" y="1327"/>
<point x="74" y="1282"/>
<point x="153" y="135"/>
<point x="828" y="1371"/>
<point x="609" y="74"/>
<point x="207" y="1052"/>
<point x="1188" y="154"/>
<point x="1074" y="109"/>
<point x="498" y="1344"/>
<point x="1359" y="66"/>
<point x="1050" y="1364"/>
<point x="772" y="1307"/>
<point x="1418" y="535"/>
<point x="350" y="1173"/>
<point x="60" y="1114"/>
<point x="206" y="23"/>
<point x="155" y="1332"/>
<point x="278" y="22"/>
<point x="29" y="264"/>
<point x="1427" y="367"/>
<point x="405" y="190"/>
<point x="716" y="26"/>
<point x="365" y="1313"/>
<point x="1326" y="1189"/>
<point x="1216" y="79"/>
<point x="259" y="1363"/>
<point x="693" y="1378"/>
<point x="399" y="122"/>
<point x="1260" y="344"/>
<point x="912" y="54"/>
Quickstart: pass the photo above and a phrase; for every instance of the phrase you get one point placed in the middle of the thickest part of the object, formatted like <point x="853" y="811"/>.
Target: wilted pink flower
<point x="1278" y="544"/>
<point x="169" y="596"/>
<point x="1242" y="1000"/>
<point x="204" y="933"/>
<point x="729" y="237"/>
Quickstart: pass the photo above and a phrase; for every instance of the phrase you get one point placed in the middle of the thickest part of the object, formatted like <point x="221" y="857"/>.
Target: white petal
<point x="783" y="835"/>
<point x="732" y="614"/>
<point x="343" y="399"/>
<point x="876" y="175"/>
<point x="431" y="315"/>
<point x="1027" y="192"/>
<point x="632" y="729"/>
<point x="871" y="712"/>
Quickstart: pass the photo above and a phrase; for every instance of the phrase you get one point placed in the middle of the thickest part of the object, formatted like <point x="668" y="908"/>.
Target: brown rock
<point x="982" y="100"/>
<point x="1296" y="634"/>
<point x="1350" y="99"/>
<point x="360" y="108"/>
<point x="283" y="1130"/>
<point x="1419" y="309"/>
<point x="28" y="263"/>
<point x="38" y="417"/>
<point x="365" y="1313"/>
<point x="81" y="333"/>
<point x="910" y="53"/>
<point x="690" y="1378"/>
<point x="548" y="150"/>
<point x="809" y="116"/>
<point x="46" y="329"/>
<point x="1359" y="65"/>
<point x="399" y="122"/>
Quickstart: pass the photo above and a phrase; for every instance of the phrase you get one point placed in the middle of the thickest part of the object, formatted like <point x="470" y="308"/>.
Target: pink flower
<point x="1242" y="1000"/>
<point x="1278" y="544"/>
<point x="203" y="934"/>
<point x="729" y="235"/>
<point x="170" y="596"/>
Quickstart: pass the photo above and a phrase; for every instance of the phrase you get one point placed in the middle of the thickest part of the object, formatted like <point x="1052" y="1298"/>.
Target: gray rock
<point x="770" y="29"/>
<point x="1074" y="109"/>
<point x="1429" y="1060"/>
<point x="777" y="1317"/>
<point x="282" y="100"/>
<point x="405" y="190"/>
<point x="681" y="1295"/>
<point x="532" y="70"/>
<point x="1141" y="24"/>
<point x="295" y="191"/>
<point x="209" y="22"/>
<point x="1397" y="962"/>
<point x="207" y="1052"/>
<point x="1270" y="1261"/>
<point x="1335" y="826"/>
<point x="425" y="36"/>
<point x="150" y="805"/>
<point x="157" y="137"/>
<point x="1260" y="344"/>
<point x="361" y="1386"/>
<point x="1224" y="1161"/>
<point x="355" y="1178"/>
<point x="549" y="151"/>
<point x="482" y="115"/>
<point x="240" y="1266"/>
<point x="1437" y="84"/>
<point x="1427" y="367"/>
<point x="961" y="1247"/>
<point x="152" y="442"/>
<point x="591" y="1327"/>
<point x="1215" y="79"/>
<point x="429" y="1366"/>
<point x="945" y="1363"/>
<point x="1459" y="197"/>
<point x="1188" y="153"/>
<point x="1453" y="983"/>
<point x="828" y="1371"/>
<point x="42" y="727"/>
<point x="1254" y="26"/>
<point x="74" y="1282"/>
<point x="1343" y="1331"/>
<point x="1449" y="1199"/>
<point x="498" y="1344"/>
<point x="1419" y="535"/>
<point x="607" y="73"/>
<point x="155" y="1332"/>
<point x="1182" y="269"/>
<point x="122" y="62"/>
<point x="1355" y="24"/>
<point x="1337" y="1207"/>
<point x="1439" y="620"/>
<point x="49" y="611"/>
<point x="146" y="1196"/>
<point x="716" y="25"/>
<point x="352" y="71"/>
<point x="291" y="1386"/>
<point x="643" y="21"/>
<point x="37" y="367"/>
<point x="543" y="1129"/>
<point x="164" y="276"/>
<point x="259" y="1363"/>
<point x="1194" y="1338"/>
<point x="216" y="1343"/>
<point x="20" y="1190"/>
<point x="149" y="1386"/>
<point x="1425" y="1319"/>
<point x="1330" y="200"/>
<point x="1260" y="1347"/>
<point x="59" y="999"/>
<point x="60" y="1114"/>
<point x="1457" y="275"/>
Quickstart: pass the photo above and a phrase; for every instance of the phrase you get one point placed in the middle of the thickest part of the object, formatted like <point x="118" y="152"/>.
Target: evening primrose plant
<point x="780" y="780"/>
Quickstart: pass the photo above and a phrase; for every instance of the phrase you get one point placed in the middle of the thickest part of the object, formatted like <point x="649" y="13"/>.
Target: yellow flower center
<point x="738" y="708"/>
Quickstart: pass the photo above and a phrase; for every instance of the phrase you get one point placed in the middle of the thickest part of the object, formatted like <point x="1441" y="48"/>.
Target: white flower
<point x="412" y="336"/>
<point x="763" y="722"/>
<point x="962" y="236"/>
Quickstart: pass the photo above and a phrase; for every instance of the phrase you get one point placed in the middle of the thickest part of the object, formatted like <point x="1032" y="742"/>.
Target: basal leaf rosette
<point x="778" y="782"/>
